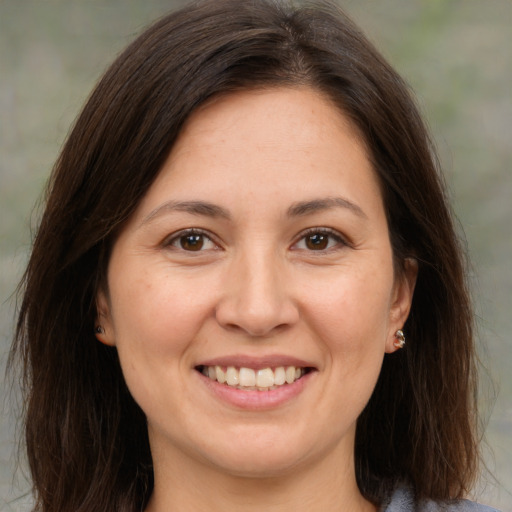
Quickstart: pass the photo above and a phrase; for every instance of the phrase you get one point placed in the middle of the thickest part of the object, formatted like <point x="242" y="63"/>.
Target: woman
<point x="244" y="222"/>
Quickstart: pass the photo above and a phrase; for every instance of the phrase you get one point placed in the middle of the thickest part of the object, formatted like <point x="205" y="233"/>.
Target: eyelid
<point x="169" y="240"/>
<point x="324" y="231"/>
<point x="175" y="236"/>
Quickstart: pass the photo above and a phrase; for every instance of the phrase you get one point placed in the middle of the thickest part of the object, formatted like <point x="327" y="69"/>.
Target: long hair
<point x="86" y="438"/>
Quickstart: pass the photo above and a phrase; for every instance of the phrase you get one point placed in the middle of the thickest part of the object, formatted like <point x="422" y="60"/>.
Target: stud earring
<point x="400" y="339"/>
<point x="99" y="330"/>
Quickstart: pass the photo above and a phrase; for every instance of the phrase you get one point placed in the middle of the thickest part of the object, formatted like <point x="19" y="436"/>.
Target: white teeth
<point x="232" y="376"/>
<point x="220" y="374"/>
<point x="279" y="376"/>
<point x="249" y="379"/>
<point x="290" y="374"/>
<point x="265" y="378"/>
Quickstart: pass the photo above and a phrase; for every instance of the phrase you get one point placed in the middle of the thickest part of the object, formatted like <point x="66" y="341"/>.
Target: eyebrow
<point x="317" y="205"/>
<point x="202" y="208"/>
<point x="206" y="209"/>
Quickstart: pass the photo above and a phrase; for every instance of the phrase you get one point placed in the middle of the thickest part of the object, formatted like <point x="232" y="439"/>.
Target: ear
<point x="103" y="329"/>
<point x="401" y="301"/>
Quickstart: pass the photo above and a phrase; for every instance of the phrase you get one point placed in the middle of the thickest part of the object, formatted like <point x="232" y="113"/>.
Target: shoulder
<point x="402" y="500"/>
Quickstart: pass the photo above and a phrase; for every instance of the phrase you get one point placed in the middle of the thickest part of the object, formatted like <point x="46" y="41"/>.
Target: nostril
<point x="257" y="325"/>
<point x="259" y="305"/>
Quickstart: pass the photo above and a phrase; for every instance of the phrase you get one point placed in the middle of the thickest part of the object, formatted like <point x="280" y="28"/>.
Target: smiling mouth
<point x="248" y="379"/>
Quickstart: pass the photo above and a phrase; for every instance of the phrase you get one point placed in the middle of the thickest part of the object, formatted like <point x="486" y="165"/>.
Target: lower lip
<point x="256" y="400"/>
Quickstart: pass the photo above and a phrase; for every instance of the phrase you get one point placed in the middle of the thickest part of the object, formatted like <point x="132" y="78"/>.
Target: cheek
<point x="350" y="315"/>
<point x="155" y="319"/>
<point x="158" y="311"/>
<point x="351" y="304"/>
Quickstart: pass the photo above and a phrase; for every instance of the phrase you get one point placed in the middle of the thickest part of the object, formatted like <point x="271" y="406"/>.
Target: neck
<point x="328" y="484"/>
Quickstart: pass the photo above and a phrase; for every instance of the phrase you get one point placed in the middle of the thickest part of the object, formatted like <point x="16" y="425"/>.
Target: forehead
<point x="281" y="142"/>
<point x="310" y="111"/>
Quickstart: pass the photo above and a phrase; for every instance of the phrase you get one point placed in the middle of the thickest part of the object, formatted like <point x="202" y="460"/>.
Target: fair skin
<point x="288" y="264"/>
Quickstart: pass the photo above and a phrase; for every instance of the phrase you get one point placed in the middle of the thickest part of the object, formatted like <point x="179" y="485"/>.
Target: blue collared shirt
<point x="403" y="500"/>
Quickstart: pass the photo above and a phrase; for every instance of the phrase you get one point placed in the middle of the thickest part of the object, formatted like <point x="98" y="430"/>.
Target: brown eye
<point x="320" y="240"/>
<point x="191" y="242"/>
<point x="317" y="241"/>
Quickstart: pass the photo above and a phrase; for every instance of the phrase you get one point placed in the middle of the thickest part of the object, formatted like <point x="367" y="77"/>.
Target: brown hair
<point x="86" y="438"/>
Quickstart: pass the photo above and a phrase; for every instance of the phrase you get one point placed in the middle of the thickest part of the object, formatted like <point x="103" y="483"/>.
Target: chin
<point x="265" y="465"/>
<point x="261" y="456"/>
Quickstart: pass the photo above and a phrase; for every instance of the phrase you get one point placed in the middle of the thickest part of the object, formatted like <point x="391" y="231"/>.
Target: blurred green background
<point x="457" y="56"/>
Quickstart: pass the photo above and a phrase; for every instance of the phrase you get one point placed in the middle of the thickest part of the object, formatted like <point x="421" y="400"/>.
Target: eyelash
<point x="176" y="239"/>
<point x="331" y="234"/>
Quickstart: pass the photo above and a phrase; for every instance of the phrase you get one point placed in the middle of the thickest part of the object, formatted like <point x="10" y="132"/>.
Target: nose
<point x="256" y="297"/>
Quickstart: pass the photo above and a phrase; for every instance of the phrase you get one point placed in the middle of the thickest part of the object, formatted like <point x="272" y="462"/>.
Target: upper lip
<point x="257" y="363"/>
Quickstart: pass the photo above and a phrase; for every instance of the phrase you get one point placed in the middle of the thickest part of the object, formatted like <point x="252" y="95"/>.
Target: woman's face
<point x="260" y="255"/>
